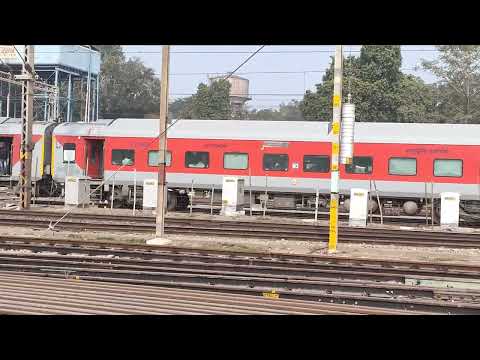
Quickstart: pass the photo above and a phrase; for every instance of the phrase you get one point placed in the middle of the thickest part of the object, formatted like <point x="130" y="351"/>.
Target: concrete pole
<point x="162" y="143"/>
<point x="335" y="174"/>
<point x="27" y="119"/>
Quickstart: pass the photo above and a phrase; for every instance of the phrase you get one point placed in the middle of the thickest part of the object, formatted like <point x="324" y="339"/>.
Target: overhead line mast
<point x="26" y="147"/>
<point x="162" y="143"/>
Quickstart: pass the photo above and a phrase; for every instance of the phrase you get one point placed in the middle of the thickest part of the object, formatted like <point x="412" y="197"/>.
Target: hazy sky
<point x="189" y="65"/>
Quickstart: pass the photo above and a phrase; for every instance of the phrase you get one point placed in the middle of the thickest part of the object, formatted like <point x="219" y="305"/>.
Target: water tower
<point x="238" y="92"/>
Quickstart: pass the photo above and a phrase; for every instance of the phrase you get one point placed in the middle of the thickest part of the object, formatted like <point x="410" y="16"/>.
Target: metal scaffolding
<point x="42" y="91"/>
<point x="60" y="95"/>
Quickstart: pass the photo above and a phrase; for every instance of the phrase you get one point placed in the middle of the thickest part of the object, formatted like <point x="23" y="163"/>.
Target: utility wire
<point x="20" y="55"/>
<point x="264" y="94"/>
<point x="246" y="73"/>
<point x="224" y="51"/>
<point x="243" y="63"/>
<point x="260" y="72"/>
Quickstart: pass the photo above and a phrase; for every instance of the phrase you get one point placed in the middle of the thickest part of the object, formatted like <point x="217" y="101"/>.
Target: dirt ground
<point x="443" y="255"/>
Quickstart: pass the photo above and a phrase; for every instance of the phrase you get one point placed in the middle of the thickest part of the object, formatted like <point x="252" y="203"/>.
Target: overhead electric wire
<point x="243" y="63"/>
<point x="265" y="94"/>
<point x="260" y="72"/>
<point x="224" y="51"/>
<point x="20" y="55"/>
<point x="247" y="73"/>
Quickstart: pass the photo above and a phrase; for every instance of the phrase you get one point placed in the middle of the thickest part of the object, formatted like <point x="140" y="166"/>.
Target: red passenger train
<point x="290" y="159"/>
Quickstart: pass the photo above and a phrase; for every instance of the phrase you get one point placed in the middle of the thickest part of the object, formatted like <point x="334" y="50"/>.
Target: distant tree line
<point x="379" y="89"/>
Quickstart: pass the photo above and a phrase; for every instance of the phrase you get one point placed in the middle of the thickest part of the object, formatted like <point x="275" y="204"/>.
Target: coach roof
<point x="394" y="133"/>
<point x="13" y="126"/>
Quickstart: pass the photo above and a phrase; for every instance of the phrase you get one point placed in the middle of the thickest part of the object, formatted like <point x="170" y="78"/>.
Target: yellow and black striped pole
<point x="335" y="133"/>
<point x="27" y="124"/>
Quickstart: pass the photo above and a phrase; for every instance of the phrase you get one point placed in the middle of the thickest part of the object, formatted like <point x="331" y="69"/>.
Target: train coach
<point x="289" y="159"/>
<point x="10" y="140"/>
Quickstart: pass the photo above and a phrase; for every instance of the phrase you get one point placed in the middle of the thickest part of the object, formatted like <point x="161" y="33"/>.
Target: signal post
<point x="335" y="133"/>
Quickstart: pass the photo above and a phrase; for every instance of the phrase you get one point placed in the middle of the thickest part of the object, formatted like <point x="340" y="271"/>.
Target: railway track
<point x="31" y="295"/>
<point x="320" y="279"/>
<point x="239" y="228"/>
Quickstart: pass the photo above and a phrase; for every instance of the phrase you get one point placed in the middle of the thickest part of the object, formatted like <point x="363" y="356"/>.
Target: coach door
<point x="94" y="158"/>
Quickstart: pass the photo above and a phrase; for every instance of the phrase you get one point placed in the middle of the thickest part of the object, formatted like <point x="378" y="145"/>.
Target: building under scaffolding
<point x="72" y="70"/>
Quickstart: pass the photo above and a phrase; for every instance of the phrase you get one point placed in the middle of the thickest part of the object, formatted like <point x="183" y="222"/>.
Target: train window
<point x="235" y="161"/>
<point x="275" y="162"/>
<point x="123" y="157"/>
<point x="196" y="159"/>
<point x="316" y="163"/>
<point x="153" y="158"/>
<point x="402" y="166"/>
<point x="360" y="165"/>
<point x="69" y="153"/>
<point x="448" y="167"/>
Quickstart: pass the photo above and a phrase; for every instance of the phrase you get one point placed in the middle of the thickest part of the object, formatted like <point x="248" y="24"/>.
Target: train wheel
<point x="182" y="202"/>
<point x="171" y="201"/>
<point x="436" y="213"/>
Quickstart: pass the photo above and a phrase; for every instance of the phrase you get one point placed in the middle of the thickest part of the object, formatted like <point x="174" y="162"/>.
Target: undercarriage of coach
<point x="179" y="199"/>
<point x="378" y="206"/>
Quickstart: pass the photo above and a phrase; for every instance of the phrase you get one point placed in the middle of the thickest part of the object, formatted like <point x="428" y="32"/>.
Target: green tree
<point x="209" y="102"/>
<point x="317" y="106"/>
<point x="127" y="88"/>
<point x="380" y="91"/>
<point x="212" y="102"/>
<point x="458" y="88"/>
<point x="416" y="100"/>
<point x="181" y="108"/>
<point x="285" y="112"/>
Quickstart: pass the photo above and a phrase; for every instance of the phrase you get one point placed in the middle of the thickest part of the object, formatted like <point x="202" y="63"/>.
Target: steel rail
<point x="180" y="254"/>
<point x="271" y="270"/>
<point x="422" y="305"/>
<point x="145" y="220"/>
<point x="261" y="230"/>
<point x="376" y="294"/>
<point x="41" y="295"/>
